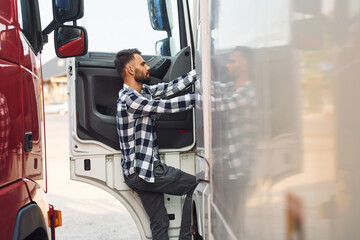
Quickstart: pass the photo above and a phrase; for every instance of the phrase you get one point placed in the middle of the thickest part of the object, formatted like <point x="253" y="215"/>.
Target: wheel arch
<point x="196" y="222"/>
<point x="29" y="220"/>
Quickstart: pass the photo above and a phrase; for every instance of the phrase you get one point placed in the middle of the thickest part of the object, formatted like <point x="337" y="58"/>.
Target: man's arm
<point x="139" y="106"/>
<point x="242" y="97"/>
<point x="163" y="90"/>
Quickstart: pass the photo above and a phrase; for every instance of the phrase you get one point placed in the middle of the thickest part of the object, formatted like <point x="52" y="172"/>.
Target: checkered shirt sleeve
<point x="136" y="114"/>
<point x="139" y="106"/>
<point x="239" y="137"/>
<point x="243" y="96"/>
<point x="163" y="90"/>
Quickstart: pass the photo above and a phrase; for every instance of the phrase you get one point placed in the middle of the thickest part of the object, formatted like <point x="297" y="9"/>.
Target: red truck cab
<point x="24" y="210"/>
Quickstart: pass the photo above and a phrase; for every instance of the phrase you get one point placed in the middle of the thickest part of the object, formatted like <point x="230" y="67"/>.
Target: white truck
<point x="274" y="137"/>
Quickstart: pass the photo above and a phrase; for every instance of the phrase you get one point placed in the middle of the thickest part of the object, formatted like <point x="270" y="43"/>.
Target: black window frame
<point x="30" y="23"/>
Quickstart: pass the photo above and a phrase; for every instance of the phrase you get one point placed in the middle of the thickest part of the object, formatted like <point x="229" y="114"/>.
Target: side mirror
<point x="68" y="10"/>
<point x="160" y="15"/>
<point x="70" y="41"/>
<point x="165" y="47"/>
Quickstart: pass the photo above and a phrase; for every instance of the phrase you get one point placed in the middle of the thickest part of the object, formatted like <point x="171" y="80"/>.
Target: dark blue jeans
<point x="168" y="180"/>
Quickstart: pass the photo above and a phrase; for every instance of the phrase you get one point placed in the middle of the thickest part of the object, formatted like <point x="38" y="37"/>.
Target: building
<point x="55" y="80"/>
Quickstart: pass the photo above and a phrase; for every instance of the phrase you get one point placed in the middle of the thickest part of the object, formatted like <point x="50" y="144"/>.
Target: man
<point x="234" y="101"/>
<point x="137" y="107"/>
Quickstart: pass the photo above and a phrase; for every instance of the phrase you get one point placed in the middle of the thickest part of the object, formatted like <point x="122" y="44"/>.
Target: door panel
<point x="10" y="118"/>
<point x="93" y="91"/>
<point x="97" y="87"/>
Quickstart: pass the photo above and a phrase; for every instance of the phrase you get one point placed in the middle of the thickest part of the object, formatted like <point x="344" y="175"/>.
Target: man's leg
<point x="176" y="182"/>
<point x="159" y="221"/>
<point x="186" y="218"/>
<point x="171" y="181"/>
<point x="153" y="203"/>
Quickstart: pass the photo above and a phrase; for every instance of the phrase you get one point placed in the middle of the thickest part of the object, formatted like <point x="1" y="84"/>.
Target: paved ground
<point x="88" y="212"/>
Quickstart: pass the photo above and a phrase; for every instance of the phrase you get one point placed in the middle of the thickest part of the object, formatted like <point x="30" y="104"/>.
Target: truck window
<point x="29" y="20"/>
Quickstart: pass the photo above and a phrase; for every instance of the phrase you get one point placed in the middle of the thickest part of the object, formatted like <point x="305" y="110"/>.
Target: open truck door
<point x="95" y="156"/>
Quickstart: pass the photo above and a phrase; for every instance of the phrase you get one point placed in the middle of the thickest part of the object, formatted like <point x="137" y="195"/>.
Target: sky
<point x="110" y="28"/>
<point x="48" y="52"/>
<point x="113" y="25"/>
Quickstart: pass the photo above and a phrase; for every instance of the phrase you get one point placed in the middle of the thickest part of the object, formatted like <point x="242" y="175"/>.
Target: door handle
<point x="28" y="142"/>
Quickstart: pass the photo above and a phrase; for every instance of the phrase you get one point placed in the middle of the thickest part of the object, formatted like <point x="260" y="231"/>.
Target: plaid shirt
<point x="136" y="115"/>
<point x="238" y="108"/>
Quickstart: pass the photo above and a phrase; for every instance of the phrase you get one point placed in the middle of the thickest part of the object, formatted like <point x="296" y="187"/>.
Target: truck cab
<point x="25" y="213"/>
<point x="94" y="83"/>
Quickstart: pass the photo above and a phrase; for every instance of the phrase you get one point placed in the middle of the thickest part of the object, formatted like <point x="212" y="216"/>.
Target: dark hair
<point x="123" y="57"/>
<point x="246" y="52"/>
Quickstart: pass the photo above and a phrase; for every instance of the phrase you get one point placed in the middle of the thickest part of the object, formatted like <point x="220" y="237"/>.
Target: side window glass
<point x="29" y="20"/>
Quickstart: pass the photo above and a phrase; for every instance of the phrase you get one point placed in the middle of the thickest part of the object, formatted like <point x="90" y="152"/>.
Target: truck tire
<point x="39" y="234"/>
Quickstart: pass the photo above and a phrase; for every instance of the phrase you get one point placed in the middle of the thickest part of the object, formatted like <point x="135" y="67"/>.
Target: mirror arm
<point x="51" y="27"/>
<point x="44" y="39"/>
<point x="44" y="34"/>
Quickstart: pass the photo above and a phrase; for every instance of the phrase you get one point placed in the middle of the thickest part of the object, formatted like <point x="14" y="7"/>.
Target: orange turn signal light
<point x="54" y="217"/>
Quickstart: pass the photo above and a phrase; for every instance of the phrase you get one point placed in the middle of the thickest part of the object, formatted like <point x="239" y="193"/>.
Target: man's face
<point x="236" y="65"/>
<point x="142" y="74"/>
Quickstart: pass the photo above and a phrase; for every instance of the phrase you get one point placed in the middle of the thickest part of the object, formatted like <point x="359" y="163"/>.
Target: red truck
<point x="24" y="211"/>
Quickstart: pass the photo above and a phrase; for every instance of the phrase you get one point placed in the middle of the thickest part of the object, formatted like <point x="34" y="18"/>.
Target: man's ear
<point x="129" y="70"/>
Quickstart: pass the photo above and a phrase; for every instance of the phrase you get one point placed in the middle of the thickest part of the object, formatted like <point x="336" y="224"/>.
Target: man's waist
<point x="135" y="167"/>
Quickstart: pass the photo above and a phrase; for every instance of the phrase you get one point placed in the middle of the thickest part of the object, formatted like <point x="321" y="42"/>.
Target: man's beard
<point x="141" y="78"/>
<point x="231" y="76"/>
